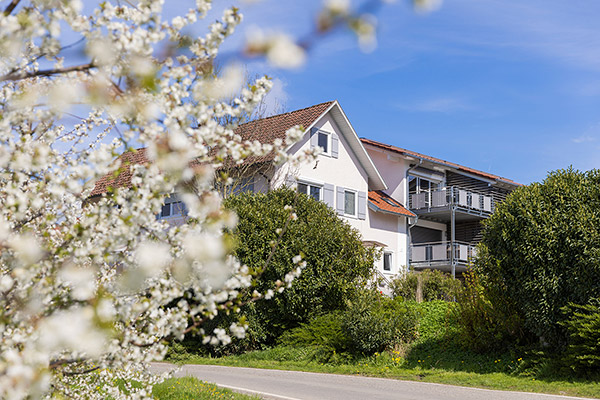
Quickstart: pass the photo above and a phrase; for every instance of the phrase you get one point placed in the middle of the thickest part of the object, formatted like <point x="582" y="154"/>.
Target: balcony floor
<point x="444" y="213"/>
<point x="444" y="266"/>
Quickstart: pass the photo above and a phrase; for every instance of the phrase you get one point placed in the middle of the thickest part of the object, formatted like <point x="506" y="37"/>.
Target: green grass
<point x="436" y="356"/>
<point x="189" y="388"/>
<point x="427" y="368"/>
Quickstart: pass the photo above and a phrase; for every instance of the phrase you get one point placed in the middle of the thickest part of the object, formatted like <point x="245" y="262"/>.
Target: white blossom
<point x="88" y="278"/>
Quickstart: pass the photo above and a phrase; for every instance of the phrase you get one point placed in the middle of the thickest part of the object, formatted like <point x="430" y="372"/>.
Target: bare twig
<point x="13" y="4"/>
<point x="17" y="76"/>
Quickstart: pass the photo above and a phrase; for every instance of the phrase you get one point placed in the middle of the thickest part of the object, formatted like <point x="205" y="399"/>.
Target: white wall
<point x="393" y="171"/>
<point x="346" y="171"/>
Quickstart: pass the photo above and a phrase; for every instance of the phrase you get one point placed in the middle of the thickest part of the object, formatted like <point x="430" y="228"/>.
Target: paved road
<point x="294" y="385"/>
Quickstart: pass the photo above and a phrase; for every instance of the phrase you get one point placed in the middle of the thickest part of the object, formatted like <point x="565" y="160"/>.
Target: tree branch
<point x="17" y="76"/>
<point x="13" y="4"/>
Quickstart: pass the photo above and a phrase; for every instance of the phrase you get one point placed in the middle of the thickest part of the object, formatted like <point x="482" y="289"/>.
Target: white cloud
<point x="584" y="139"/>
<point x="437" y="105"/>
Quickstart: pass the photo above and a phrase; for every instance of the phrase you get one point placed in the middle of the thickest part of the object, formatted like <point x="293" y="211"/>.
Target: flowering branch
<point x="9" y="9"/>
<point x="16" y="76"/>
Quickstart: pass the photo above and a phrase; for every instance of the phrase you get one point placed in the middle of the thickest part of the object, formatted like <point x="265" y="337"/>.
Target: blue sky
<point x="504" y="86"/>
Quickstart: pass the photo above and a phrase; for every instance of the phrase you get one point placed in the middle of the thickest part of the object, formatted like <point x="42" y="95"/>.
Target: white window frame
<point x="329" y="144"/>
<point x="355" y="215"/>
<point x="391" y="258"/>
<point x="308" y="185"/>
<point x="170" y="201"/>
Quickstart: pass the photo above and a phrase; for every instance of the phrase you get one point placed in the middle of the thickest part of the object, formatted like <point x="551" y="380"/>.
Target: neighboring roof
<point x="379" y="201"/>
<point x="123" y="178"/>
<point x="452" y="165"/>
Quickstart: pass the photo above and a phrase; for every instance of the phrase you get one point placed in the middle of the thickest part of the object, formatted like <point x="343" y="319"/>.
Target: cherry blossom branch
<point x="17" y="76"/>
<point x="13" y="4"/>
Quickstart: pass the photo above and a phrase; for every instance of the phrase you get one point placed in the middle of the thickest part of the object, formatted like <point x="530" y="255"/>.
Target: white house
<point x="343" y="176"/>
<point x="422" y="212"/>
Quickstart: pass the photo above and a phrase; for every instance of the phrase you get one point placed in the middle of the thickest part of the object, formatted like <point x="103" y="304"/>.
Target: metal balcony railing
<point x="451" y="196"/>
<point x="440" y="253"/>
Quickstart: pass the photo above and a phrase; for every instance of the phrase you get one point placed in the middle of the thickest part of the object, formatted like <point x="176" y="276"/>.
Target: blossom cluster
<point x="92" y="288"/>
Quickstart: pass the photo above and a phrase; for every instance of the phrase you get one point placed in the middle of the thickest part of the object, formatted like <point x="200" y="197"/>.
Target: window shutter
<point x="328" y="197"/>
<point x="335" y="144"/>
<point x="362" y="205"/>
<point x="314" y="138"/>
<point x="340" y="200"/>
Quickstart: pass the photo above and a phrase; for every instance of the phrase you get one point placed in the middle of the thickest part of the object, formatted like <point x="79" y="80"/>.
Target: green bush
<point x="542" y="250"/>
<point x="325" y="331"/>
<point x="337" y="265"/>
<point x="336" y="259"/>
<point x="374" y="322"/>
<point x="435" y="285"/>
<point x="485" y="323"/>
<point x="583" y="327"/>
<point x="437" y="319"/>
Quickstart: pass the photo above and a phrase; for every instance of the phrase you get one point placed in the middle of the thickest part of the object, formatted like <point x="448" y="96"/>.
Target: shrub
<point x="485" y="323"/>
<point x="336" y="263"/>
<point x="374" y="322"/>
<point x="583" y="328"/>
<point x="325" y="331"/>
<point x="542" y="250"/>
<point x="435" y="285"/>
<point x="437" y="319"/>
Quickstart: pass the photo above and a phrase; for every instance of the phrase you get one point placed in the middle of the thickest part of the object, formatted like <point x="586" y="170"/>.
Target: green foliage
<point x="435" y="285"/>
<point x="336" y="260"/>
<point x="583" y="327"/>
<point x="374" y="322"/>
<point x="437" y="319"/>
<point x="486" y="323"/>
<point x="189" y="388"/>
<point x="325" y="331"/>
<point x="542" y="250"/>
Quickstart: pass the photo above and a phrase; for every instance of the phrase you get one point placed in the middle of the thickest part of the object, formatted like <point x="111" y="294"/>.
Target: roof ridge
<point x="286" y="113"/>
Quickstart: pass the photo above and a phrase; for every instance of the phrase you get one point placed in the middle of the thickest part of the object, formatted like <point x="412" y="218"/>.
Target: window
<point x="387" y="261"/>
<point x="349" y="203"/>
<point x="178" y="208"/>
<point x="313" y="191"/>
<point x="172" y="208"/>
<point x="323" y="141"/>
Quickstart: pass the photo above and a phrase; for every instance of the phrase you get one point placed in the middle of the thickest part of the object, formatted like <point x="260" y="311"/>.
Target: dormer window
<point x="323" y="141"/>
<point x="328" y="141"/>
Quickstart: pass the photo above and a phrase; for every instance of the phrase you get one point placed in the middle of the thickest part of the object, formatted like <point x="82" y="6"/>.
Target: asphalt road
<point x="294" y="385"/>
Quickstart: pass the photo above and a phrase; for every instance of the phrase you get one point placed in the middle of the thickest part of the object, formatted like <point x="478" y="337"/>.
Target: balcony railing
<point x="440" y="252"/>
<point x="451" y="196"/>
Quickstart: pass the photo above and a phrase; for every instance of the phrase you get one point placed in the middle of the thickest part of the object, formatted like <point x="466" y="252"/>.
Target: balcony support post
<point x="452" y="239"/>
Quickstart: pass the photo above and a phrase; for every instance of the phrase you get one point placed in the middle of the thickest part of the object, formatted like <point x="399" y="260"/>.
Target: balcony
<point x="438" y="255"/>
<point x="437" y="203"/>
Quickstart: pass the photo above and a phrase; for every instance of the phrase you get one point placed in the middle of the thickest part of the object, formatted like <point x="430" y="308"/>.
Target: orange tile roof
<point x="123" y="179"/>
<point x="385" y="203"/>
<point x="437" y="160"/>
<point x="264" y="130"/>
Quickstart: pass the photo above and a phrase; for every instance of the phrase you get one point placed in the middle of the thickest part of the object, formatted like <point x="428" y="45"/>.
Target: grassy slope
<point x="433" y="358"/>
<point x="388" y="366"/>
<point x="189" y="388"/>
